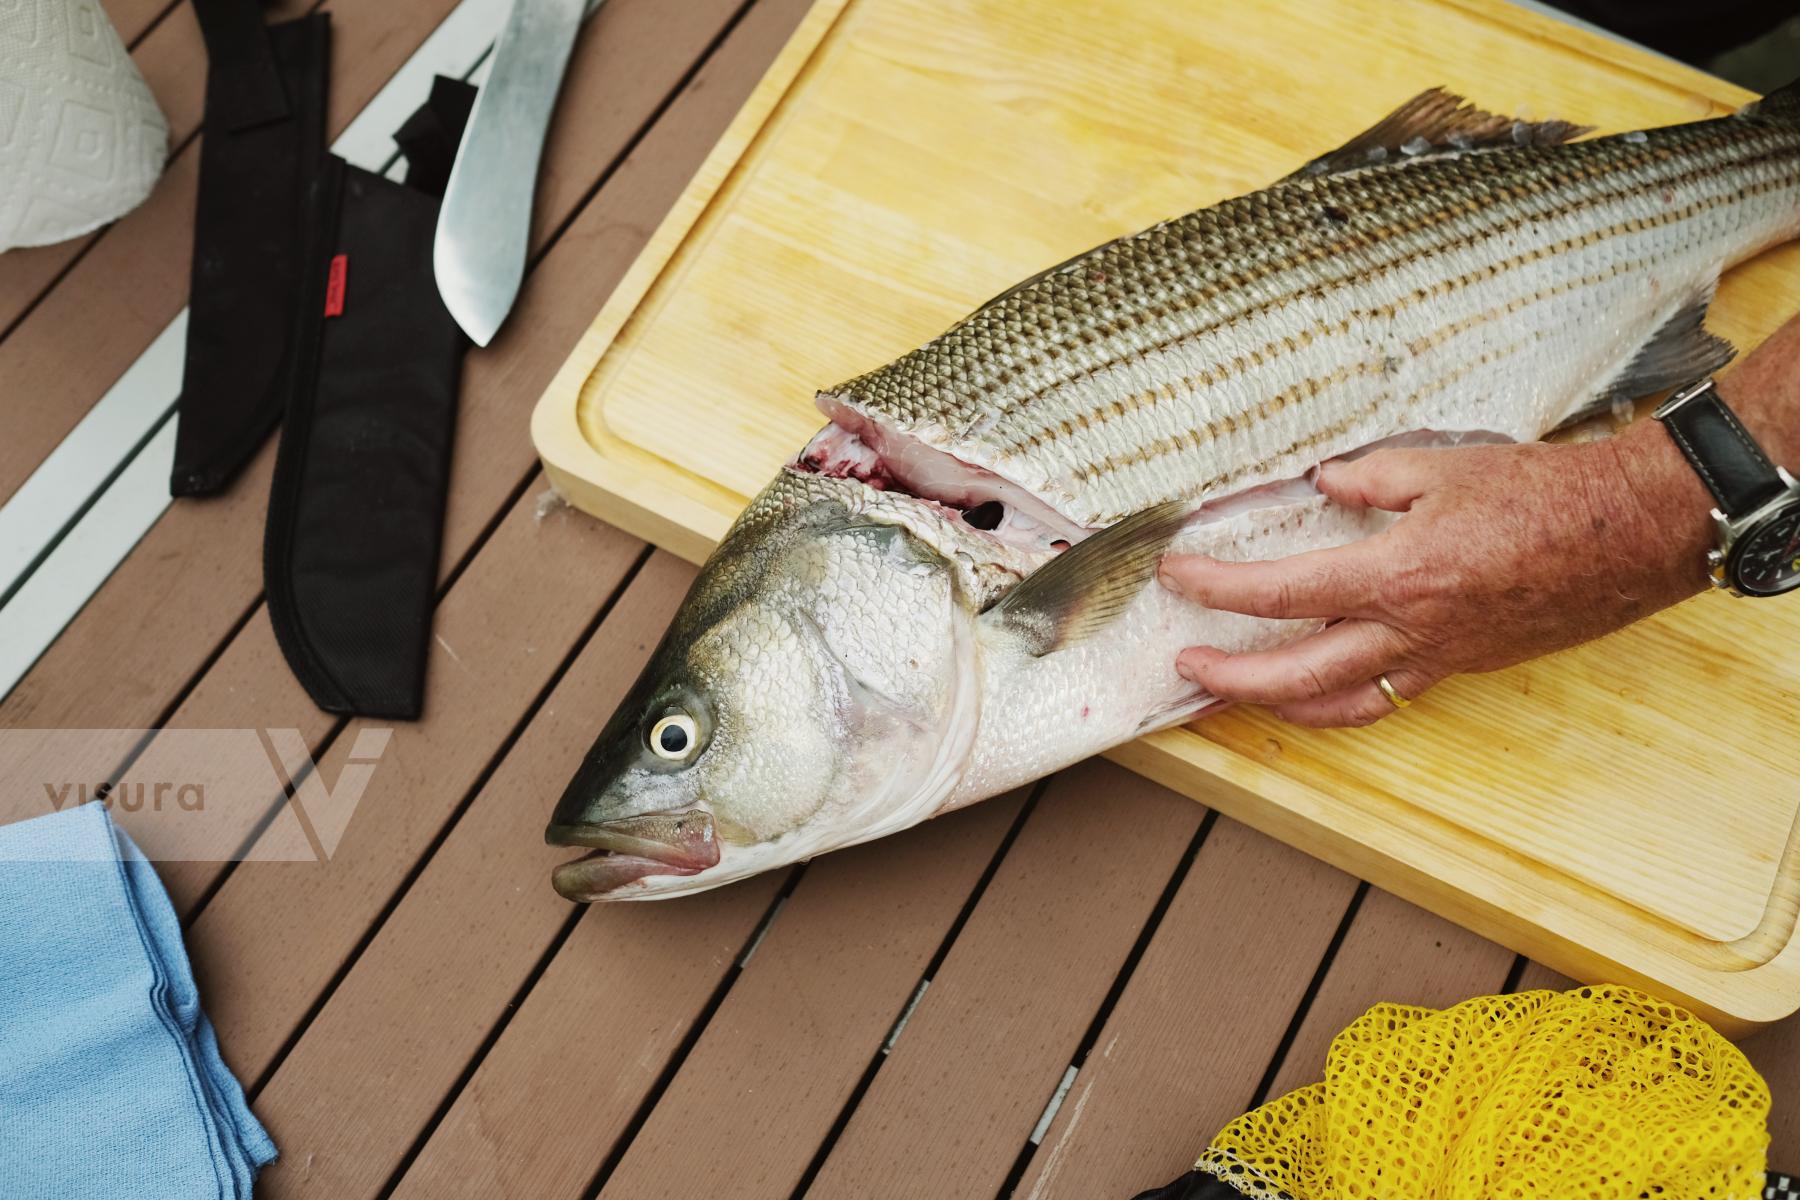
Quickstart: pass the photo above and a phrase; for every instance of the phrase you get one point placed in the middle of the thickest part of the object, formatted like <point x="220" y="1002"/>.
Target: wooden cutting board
<point x="1626" y="811"/>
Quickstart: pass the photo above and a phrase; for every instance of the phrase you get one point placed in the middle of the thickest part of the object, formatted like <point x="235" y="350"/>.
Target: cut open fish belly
<point x="1266" y="520"/>
<point x="899" y="464"/>
<point x="950" y="590"/>
<point x="858" y="448"/>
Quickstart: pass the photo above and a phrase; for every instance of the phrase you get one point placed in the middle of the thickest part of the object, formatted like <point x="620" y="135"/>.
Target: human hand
<point x="1504" y="553"/>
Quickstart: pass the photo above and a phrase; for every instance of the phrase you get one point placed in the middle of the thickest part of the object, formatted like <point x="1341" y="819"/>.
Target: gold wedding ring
<point x="1388" y="690"/>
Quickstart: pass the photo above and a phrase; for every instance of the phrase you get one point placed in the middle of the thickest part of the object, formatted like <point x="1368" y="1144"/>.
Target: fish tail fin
<point x="1782" y="104"/>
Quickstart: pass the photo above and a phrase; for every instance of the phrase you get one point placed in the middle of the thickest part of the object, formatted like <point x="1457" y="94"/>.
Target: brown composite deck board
<point x="27" y="273"/>
<point x="773" y="1066"/>
<point x="249" y="684"/>
<point x="1396" y="952"/>
<point x="565" y="1082"/>
<point x="1776" y="1053"/>
<point x="1199" y="1021"/>
<point x="1536" y="975"/>
<point x="492" y="1137"/>
<point x="165" y="612"/>
<point x="808" y="1017"/>
<point x="134" y="280"/>
<point x="955" y="1101"/>
<point x="267" y="944"/>
<point x="369" y="1075"/>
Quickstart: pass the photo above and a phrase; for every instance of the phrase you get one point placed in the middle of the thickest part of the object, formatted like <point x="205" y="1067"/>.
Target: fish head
<point x="806" y="696"/>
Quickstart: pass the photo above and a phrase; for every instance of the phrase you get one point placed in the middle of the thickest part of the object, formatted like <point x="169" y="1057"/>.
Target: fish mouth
<point x="631" y="849"/>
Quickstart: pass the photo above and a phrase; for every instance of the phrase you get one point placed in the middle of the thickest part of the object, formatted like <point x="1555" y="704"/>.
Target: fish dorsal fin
<point x="1436" y="122"/>
<point x="1681" y="351"/>
<point x="1031" y="279"/>
<point x="1086" y="586"/>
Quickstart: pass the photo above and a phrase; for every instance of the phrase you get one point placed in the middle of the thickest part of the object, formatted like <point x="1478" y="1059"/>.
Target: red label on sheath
<point x="334" y="286"/>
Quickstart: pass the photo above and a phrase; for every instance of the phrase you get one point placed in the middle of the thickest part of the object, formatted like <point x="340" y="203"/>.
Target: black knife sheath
<point x="263" y="146"/>
<point x="356" y="510"/>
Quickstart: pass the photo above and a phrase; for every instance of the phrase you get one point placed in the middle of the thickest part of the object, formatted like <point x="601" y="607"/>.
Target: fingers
<point x="1330" y="661"/>
<point x="1386" y="479"/>
<point x="1321" y="583"/>
<point x="1361" y="704"/>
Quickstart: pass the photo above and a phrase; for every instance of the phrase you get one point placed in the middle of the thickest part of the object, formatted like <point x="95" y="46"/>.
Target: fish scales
<point x="1248" y="340"/>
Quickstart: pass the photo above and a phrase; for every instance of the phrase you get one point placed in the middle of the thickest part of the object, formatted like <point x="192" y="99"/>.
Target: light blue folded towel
<point x="111" y="1084"/>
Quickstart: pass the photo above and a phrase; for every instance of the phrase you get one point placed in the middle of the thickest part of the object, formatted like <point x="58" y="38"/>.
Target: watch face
<point x="1766" y="561"/>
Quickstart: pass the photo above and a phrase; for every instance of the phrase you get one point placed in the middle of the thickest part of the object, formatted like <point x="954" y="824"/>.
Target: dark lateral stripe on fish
<point x="1471" y="203"/>
<point x="1723" y="147"/>
<point x="1231" y="422"/>
<point x="1028" y="439"/>
<point x="1448" y="380"/>
<point x="1249" y="417"/>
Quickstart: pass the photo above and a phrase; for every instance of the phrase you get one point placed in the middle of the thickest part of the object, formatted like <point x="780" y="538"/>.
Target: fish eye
<point x="674" y="737"/>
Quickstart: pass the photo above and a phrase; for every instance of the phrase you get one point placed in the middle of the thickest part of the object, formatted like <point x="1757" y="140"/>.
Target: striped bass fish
<point x="949" y="591"/>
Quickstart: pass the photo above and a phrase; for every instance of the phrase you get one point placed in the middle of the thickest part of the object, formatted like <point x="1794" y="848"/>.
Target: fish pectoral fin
<point x="1082" y="589"/>
<point x="1681" y="351"/>
<point x="1177" y="711"/>
<point x="1437" y="122"/>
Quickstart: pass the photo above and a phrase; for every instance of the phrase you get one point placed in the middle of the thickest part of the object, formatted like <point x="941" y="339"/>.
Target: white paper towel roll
<point x="81" y="139"/>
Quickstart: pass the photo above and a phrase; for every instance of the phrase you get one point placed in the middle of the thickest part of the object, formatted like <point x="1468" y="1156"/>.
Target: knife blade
<point x="484" y="223"/>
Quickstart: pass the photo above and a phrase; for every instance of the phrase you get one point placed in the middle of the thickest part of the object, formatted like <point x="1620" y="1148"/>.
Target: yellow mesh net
<point x="1600" y="1092"/>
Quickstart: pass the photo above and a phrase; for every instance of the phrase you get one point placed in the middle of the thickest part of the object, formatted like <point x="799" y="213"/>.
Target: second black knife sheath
<point x="356" y="511"/>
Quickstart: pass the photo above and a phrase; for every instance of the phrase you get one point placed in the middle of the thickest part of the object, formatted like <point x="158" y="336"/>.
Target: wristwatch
<point x="1758" y="511"/>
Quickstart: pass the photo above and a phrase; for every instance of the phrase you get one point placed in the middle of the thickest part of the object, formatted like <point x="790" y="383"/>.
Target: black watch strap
<point x="1724" y="455"/>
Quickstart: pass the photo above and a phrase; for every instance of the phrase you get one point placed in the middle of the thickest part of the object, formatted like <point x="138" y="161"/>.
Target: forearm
<point x="1764" y="391"/>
